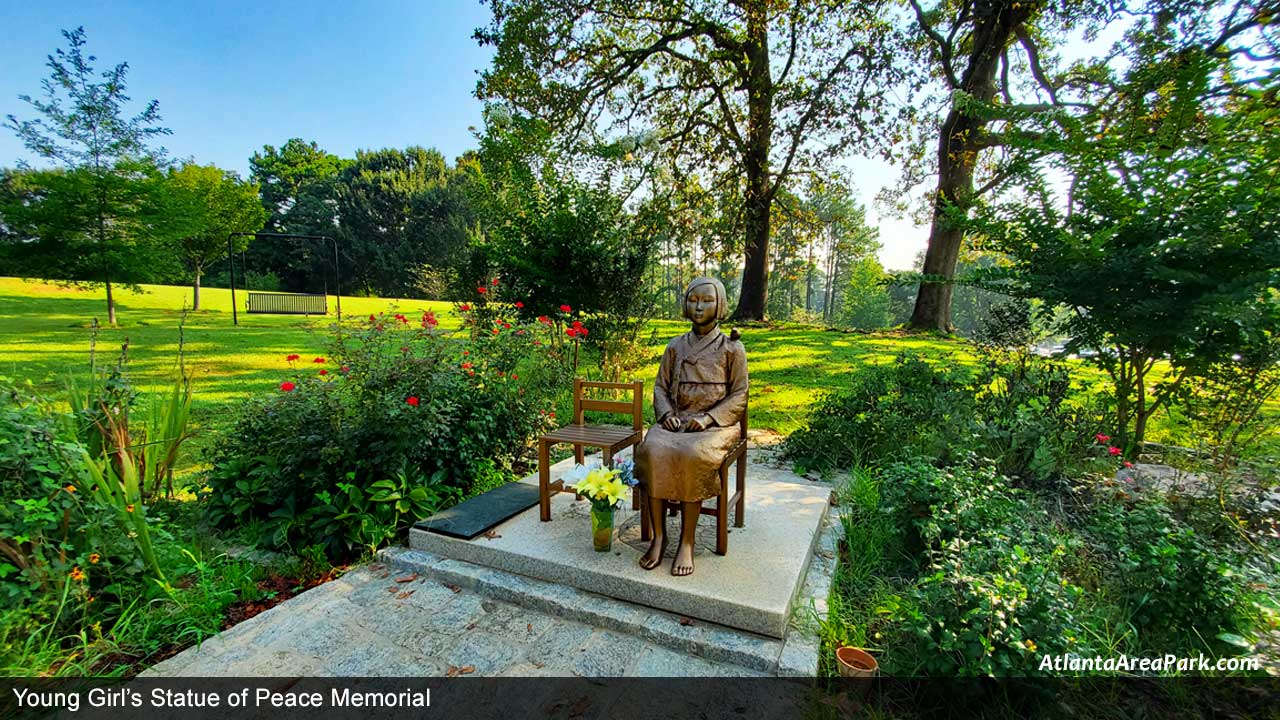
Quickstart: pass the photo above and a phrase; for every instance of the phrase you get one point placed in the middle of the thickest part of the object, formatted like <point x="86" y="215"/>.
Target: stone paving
<point x="414" y="614"/>
<point x="387" y="619"/>
<point x="374" y="622"/>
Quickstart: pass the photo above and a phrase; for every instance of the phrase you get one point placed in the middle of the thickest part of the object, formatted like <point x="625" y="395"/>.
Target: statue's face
<point x="700" y="305"/>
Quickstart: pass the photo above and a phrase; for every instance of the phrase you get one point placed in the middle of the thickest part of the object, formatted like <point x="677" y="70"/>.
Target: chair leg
<point x="646" y="528"/>
<point x="740" y="510"/>
<point x="544" y="480"/>
<point x="578" y="455"/>
<point x="722" y="513"/>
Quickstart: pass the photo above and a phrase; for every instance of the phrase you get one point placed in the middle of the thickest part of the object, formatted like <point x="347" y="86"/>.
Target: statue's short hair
<point x="722" y="298"/>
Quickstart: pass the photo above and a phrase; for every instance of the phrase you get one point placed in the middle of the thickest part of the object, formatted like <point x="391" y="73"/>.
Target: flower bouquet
<point x="605" y="488"/>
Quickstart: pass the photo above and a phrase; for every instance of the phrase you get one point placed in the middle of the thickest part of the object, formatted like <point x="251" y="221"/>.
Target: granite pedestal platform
<point x="752" y="588"/>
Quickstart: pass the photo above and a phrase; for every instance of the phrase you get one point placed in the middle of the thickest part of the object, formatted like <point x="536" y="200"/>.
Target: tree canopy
<point x="749" y="90"/>
<point x="89" y="220"/>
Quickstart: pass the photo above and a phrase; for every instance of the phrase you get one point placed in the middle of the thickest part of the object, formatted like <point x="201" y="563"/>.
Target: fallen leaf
<point x="528" y="627"/>
<point x="472" y="626"/>
<point x="393" y="589"/>
<point x="407" y="578"/>
<point x="405" y="594"/>
<point x="492" y="535"/>
<point x="686" y="621"/>
<point x="538" y="665"/>
<point x="454" y="588"/>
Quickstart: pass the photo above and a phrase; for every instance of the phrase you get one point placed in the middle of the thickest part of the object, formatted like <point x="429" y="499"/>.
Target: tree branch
<point x="943" y="47"/>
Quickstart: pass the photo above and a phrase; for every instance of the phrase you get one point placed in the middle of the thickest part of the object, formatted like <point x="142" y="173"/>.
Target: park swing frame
<point x="337" y="274"/>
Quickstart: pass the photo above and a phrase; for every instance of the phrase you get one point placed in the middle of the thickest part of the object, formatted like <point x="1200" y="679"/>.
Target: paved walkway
<point x="415" y="614"/>
<point x="372" y="622"/>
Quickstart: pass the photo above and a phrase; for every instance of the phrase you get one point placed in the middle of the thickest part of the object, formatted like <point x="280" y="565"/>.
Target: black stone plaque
<point x="468" y="519"/>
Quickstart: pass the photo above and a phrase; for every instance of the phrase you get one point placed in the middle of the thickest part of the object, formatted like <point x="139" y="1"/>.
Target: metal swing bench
<point x="269" y="303"/>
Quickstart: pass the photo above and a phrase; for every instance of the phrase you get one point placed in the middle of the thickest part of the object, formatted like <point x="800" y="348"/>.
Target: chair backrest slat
<point x="635" y="408"/>
<point x="609" y="406"/>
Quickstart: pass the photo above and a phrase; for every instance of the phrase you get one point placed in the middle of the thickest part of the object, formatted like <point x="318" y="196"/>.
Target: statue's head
<point x="705" y="302"/>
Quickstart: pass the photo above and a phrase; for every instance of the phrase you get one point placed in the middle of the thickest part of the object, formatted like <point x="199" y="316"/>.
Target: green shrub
<point x="1176" y="585"/>
<point x="990" y="596"/>
<point x="908" y="408"/>
<point x="398" y="402"/>
<point x="1030" y="423"/>
<point x="40" y="514"/>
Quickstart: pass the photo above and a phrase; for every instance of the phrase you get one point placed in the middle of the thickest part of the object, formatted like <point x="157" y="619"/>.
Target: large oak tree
<point x="749" y="91"/>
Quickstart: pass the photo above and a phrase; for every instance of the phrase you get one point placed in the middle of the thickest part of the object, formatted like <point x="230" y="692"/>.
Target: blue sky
<point x="232" y="76"/>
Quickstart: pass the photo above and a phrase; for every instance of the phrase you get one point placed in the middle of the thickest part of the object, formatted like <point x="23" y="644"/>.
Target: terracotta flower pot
<point x="856" y="662"/>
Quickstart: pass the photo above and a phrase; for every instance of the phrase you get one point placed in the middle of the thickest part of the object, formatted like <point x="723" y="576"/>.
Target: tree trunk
<point x="958" y="147"/>
<point x="759" y="85"/>
<point x="111" y="302"/>
<point x="808" y="280"/>
<point x="195" y="292"/>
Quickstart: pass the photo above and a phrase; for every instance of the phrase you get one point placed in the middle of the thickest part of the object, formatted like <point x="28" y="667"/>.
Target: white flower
<point x="576" y="475"/>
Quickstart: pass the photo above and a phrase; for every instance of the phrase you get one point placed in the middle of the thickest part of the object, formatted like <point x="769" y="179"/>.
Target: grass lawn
<point x="45" y="337"/>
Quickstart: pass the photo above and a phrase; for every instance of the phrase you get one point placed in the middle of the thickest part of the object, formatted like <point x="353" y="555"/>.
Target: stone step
<point x="795" y="656"/>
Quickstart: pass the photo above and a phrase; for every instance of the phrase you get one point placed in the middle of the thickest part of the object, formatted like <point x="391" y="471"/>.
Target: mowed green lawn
<point x="45" y="337"/>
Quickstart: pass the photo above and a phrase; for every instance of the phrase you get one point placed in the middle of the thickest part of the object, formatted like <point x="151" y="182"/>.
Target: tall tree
<point x="993" y="67"/>
<point x="1167" y="241"/>
<point x="85" y="128"/>
<point x="299" y="187"/>
<point x="750" y="89"/>
<point x="206" y="205"/>
<point x="399" y="211"/>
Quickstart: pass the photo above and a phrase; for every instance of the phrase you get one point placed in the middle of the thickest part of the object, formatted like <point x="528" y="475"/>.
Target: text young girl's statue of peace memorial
<point x="698" y="399"/>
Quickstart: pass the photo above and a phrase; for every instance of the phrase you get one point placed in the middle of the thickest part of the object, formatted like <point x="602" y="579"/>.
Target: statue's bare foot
<point x="653" y="558"/>
<point x="683" y="564"/>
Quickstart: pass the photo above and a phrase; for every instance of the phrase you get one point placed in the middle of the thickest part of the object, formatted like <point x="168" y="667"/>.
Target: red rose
<point x="506" y="326"/>
<point x="519" y="304"/>
<point x="464" y="308"/>
<point x="318" y="360"/>
<point x="515" y="376"/>
<point x="571" y="332"/>
<point x="544" y="319"/>
<point x="494" y="282"/>
<point x="582" y="332"/>
<point x="565" y="308"/>
<point x="372" y="318"/>
<point x="1114" y="450"/>
<point x="412" y="400"/>
<point x="472" y="373"/>
<point x="466" y="352"/>
<point x="292" y="357"/>
<point x="497" y="330"/>
<point x="482" y="290"/>
<point x="577" y="324"/>
<point x="324" y="372"/>
<point x="404" y="349"/>
<point x="1128" y="464"/>
<point x="467" y="366"/>
<point x="287" y="386"/>
<point x="1102" y="438"/>
<point x="346" y="369"/>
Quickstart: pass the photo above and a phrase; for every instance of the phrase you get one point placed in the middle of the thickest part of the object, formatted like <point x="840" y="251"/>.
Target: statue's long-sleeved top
<point x="699" y="376"/>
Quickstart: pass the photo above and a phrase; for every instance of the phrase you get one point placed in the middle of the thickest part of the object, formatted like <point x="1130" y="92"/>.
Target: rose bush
<point x="429" y="411"/>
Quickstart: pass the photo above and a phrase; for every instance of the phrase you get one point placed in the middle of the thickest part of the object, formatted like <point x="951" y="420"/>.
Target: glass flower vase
<point x="602" y="529"/>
